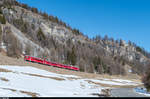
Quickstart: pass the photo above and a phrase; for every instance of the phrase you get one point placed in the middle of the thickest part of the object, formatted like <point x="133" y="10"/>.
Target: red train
<point x="40" y="61"/>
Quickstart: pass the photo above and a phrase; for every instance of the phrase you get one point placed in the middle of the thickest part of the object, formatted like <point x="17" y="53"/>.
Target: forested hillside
<point x="25" y="30"/>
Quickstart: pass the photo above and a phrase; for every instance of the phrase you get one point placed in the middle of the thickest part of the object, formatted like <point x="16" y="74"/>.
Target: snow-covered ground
<point x="144" y="94"/>
<point x="116" y="82"/>
<point x="28" y="81"/>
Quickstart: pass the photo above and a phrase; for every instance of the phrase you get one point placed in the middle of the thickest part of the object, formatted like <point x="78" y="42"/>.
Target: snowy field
<point x="17" y="81"/>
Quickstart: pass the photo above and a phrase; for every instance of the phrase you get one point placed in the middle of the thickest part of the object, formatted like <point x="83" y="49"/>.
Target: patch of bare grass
<point x="4" y="79"/>
<point x="24" y="92"/>
<point x="30" y="93"/>
<point x="36" y="75"/>
<point x="4" y="70"/>
<point x="9" y="89"/>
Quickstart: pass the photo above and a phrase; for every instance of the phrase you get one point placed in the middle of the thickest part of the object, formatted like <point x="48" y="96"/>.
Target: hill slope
<point x="25" y="30"/>
<point x="19" y="78"/>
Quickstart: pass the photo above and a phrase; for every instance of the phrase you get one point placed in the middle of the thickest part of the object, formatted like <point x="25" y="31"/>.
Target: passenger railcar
<point x="44" y="62"/>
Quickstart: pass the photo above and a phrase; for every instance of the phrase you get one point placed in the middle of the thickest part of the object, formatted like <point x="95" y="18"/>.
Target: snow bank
<point x="120" y="82"/>
<point x="32" y="70"/>
<point x="106" y="82"/>
<point x="45" y="87"/>
<point x="41" y="82"/>
<point x="127" y="82"/>
<point x="9" y="93"/>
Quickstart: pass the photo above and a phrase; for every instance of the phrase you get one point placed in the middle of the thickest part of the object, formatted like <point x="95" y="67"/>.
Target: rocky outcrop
<point x="58" y="41"/>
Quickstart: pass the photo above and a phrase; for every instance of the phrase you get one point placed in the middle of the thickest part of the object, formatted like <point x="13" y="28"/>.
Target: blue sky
<point x="126" y="19"/>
